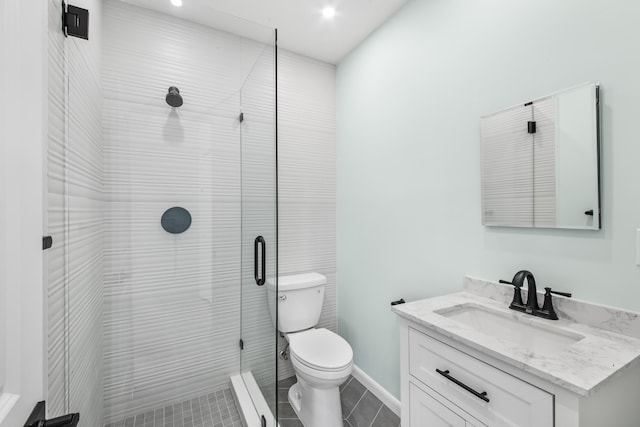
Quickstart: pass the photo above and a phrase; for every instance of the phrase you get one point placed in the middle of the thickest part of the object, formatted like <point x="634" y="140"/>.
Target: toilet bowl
<point x="322" y="360"/>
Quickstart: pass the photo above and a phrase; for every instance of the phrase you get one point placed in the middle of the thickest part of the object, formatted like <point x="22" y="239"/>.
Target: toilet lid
<point x="320" y="349"/>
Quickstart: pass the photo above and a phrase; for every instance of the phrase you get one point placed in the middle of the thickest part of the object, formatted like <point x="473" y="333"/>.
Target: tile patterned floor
<point x="213" y="410"/>
<point x="360" y="408"/>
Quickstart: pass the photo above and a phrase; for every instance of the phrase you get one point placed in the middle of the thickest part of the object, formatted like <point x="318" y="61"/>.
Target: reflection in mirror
<point x="540" y="162"/>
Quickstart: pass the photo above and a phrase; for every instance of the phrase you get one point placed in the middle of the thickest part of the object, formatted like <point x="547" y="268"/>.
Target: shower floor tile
<point x="212" y="410"/>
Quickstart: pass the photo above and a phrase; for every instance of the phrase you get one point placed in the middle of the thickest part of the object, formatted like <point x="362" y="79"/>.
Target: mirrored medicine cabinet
<point x="540" y="162"/>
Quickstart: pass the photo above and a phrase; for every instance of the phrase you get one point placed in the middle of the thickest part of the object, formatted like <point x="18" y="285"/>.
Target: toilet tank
<point x="299" y="301"/>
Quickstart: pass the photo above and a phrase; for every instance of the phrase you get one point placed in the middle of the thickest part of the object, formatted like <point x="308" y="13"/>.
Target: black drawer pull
<point x="482" y="395"/>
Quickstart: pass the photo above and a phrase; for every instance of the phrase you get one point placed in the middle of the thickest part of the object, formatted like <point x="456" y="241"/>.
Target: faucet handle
<point x="564" y="294"/>
<point x="517" y="296"/>
<point x="547" y="307"/>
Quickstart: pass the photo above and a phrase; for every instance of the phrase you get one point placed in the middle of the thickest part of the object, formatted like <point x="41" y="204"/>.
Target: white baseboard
<point x="379" y="391"/>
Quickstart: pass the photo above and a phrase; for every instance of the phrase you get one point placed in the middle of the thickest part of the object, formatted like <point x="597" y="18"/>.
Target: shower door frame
<point x="254" y="408"/>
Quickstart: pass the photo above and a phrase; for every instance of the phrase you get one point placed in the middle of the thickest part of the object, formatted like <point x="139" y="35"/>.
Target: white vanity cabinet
<point x="474" y="387"/>
<point x="446" y="383"/>
<point x="474" y="392"/>
<point x="467" y="360"/>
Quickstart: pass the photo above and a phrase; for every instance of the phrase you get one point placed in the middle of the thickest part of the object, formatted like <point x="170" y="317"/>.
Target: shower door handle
<point x="259" y="278"/>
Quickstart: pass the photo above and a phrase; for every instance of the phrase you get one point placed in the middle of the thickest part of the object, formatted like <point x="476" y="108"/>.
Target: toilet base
<point x="316" y="407"/>
<point x="295" y="398"/>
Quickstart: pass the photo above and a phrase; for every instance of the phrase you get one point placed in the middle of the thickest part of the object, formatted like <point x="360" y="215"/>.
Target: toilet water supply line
<point x="284" y="354"/>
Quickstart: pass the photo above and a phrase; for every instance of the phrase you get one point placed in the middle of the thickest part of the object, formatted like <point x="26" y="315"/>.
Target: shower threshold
<point x="250" y="401"/>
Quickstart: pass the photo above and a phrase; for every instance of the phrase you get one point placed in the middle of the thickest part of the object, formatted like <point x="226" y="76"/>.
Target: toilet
<point x="322" y="360"/>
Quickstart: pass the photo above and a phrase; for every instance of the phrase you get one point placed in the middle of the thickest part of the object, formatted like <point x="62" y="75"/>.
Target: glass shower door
<point x="259" y="232"/>
<point x="154" y="207"/>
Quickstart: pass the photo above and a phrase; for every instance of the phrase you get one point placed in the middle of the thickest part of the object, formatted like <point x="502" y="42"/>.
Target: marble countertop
<point x="581" y="367"/>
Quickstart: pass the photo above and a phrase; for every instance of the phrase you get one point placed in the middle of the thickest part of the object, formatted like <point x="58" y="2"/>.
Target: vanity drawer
<point x="427" y="410"/>
<point x="491" y="395"/>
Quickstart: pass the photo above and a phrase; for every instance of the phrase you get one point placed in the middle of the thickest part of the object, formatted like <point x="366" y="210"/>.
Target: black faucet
<point x="532" y="307"/>
<point x="532" y="294"/>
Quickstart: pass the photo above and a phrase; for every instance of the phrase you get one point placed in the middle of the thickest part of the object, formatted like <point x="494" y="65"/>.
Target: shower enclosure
<point x="162" y="206"/>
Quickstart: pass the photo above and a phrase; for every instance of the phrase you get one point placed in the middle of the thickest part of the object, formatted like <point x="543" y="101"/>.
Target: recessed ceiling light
<point x="176" y="3"/>
<point x="328" y="12"/>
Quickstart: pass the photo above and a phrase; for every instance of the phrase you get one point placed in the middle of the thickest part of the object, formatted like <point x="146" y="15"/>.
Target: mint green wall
<point x="409" y="102"/>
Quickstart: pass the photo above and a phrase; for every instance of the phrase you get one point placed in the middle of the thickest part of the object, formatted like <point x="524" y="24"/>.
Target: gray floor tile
<point x="149" y="418"/>
<point x="365" y="411"/>
<point x="346" y="383"/>
<point x="386" y="418"/>
<point x="350" y="396"/>
<point x="219" y="410"/>
<point x="139" y="422"/>
<point x="212" y="410"/>
<point x="283" y="395"/>
<point x="290" y="423"/>
<point x="287" y="382"/>
<point x="286" y="411"/>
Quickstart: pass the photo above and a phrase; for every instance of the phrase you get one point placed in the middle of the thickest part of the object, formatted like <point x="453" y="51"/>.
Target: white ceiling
<point x="301" y="26"/>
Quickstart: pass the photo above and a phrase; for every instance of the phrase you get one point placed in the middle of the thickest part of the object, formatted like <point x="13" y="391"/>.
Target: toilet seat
<point x="321" y="350"/>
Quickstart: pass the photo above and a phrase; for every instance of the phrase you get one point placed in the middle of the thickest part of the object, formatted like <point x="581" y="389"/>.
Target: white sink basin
<point x="512" y="329"/>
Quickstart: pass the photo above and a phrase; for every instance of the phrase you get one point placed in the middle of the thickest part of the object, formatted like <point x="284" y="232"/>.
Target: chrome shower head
<point x="174" y="98"/>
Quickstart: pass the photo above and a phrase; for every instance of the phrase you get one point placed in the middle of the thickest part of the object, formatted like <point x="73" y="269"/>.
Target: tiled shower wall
<point x="307" y="177"/>
<point x="75" y="220"/>
<point x="172" y="302"/>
